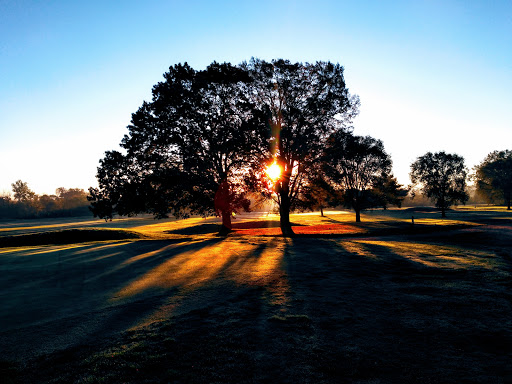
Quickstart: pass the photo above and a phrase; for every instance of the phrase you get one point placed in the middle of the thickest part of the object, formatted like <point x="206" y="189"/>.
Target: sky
<point x="431" y="75"/>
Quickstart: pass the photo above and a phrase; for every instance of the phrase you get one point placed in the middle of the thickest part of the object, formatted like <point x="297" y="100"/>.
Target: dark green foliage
<point x="27" y="205"/>
<point x="387" y="191"/>
<point x="199" y="132"/>
<point x="359" y="168"/>
<point x="203" y="141"/>
<point x="21" y="191"/>
<point x="494" y="177"/>
<point x="441" y="177"/>
<point x="307" y="103"/>
<point x="319" y="194"/>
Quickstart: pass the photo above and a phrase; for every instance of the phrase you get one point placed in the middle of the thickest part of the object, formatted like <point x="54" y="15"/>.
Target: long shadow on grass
<point x="376" y="305"/>
<point x="59" y="296"/>
<point x="65" y="296"/>
<point x="298" y="310"/>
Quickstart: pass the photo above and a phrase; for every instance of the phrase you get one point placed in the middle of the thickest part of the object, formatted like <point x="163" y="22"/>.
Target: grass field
<point x="144" y="301"/>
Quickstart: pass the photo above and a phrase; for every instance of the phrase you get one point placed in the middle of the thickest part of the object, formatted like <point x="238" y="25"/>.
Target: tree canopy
<point x="355" y="165"/>
<point x="494" y="176"/>
<point x="441" y="177"/>
<point x="204" y="140"/>
<point x="21" y="191"/>
<point x="307" y="104"/>
<point x="27" y="204"/>
<point x="187" y="150"/>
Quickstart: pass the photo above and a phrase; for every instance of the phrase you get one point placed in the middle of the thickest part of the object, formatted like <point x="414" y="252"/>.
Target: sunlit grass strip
<point x="159" y="229"/>
<point x="50" y="226"/>
<point x="432" y="255"/>
<point x="444" y="222"/>
<point x="258" y="264"/>
<point x="67" y="236"/>
<point x="334" y="229"/>
<point x="188" y="269"/>
<point x="494" y="208"/>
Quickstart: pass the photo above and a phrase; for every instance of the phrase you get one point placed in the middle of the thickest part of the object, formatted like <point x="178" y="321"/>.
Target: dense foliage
<point x="204" y="140"/>
<point x="188" y="150"/>
<point x="441" y="177"/>
<point x="308" y="103"/>
<point x="25" y="204"/>
<point x="360" y="169"/>
<point x="494" y="177"/>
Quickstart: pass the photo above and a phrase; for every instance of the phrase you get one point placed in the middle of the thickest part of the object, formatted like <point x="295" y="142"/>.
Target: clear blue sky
<point x="431" y="75"/>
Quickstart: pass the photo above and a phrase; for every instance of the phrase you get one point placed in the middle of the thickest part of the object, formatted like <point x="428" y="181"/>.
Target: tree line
<point x="204" y="143"/>
<point x="26" y="204"/>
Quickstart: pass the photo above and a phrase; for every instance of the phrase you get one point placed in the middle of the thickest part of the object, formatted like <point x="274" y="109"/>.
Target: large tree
<point x="355" y="165"/>
<point x="187" y="150"/>
<point x="441" y="177"/>
<point x="494" y="176"/>
<point x="307" y="103"/>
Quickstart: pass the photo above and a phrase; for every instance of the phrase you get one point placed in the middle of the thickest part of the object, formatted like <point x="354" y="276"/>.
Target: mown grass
<point x="395" y="308"/>
<point x="67" y="236"/>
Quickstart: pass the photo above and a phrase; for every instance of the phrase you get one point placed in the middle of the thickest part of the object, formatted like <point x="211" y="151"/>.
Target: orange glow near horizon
<point x="273" y="171"/>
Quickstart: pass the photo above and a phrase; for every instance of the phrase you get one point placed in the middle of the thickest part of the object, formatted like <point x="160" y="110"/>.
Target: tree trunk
<point x="226" y="223"/>
<point x="443" y="212"/>
<point x="356" y="204"/>
<point x="284" y="215"/>
<point x="322" y="211"/>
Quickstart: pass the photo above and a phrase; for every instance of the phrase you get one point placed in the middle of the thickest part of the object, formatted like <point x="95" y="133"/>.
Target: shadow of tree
<point x="200" y="229"/>
<point x="289" y="310"/>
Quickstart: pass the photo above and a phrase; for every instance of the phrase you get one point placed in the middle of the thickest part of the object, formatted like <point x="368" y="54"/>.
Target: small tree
<point x="321" y="194"/>
<point x="22" y="193"/>
<point x="494" y="176"/>
<point x="441" y="177"/>
<point x="387" y="191"/>
<point x="355" y="164"/>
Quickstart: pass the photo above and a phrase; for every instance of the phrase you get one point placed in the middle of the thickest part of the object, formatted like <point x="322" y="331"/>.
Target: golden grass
<point x="432" y="255"/>
<point x="254" y="264"/>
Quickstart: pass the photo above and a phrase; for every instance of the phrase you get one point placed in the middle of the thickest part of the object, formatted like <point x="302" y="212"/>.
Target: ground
<point x="383" y="301"/>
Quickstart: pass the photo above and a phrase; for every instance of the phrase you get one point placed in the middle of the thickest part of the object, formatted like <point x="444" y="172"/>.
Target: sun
<point x="273" y="171"/>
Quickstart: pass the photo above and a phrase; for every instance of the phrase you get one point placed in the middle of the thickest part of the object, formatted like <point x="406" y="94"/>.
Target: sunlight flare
<point x="273" y="171"/>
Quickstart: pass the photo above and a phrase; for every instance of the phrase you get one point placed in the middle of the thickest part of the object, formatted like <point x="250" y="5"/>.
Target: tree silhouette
<point x="441" y="177"/>
<point x="27" y="204"/>
<point x="355" y="165"/>
<point x="387" y="191"/>
<point x="22" y="193"/>
<point x="494" y="176"/>
<point x="307" y="103"/>
<point x="320" y="193"/>
<point x="186" y="151"/>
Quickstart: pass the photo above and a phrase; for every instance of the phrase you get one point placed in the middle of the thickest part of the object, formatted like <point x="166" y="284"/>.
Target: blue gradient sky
<point x="431" y="75"/>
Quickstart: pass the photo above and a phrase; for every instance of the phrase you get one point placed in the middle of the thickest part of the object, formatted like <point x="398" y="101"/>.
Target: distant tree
<point x="122" y="183"/>
<point x="494" y="176"/>
<point x="387" y="191"/>
<point x="5" y="206"/>
<point x="441" y="177"/>
<point x="71" y="198"/>
<point x="307" y="103"/>
<point x="186" y="151"/>
<point x="22" y="193"/>
<point x="355" y="165"/>
<point x="47" y="204"/>
<point x="319" y="194"/>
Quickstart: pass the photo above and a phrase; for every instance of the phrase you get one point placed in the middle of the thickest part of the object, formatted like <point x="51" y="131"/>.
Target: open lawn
<point x="144" y="301"/>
